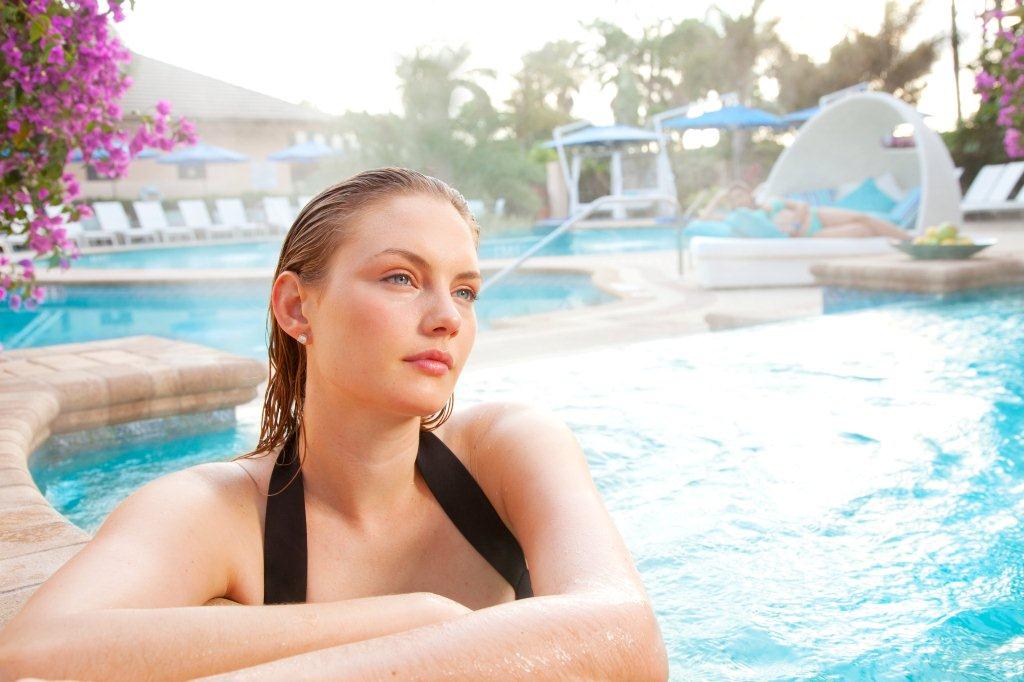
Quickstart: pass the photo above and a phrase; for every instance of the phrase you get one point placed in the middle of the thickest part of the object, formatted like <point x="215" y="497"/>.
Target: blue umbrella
<point x="100" y="154"/>
<point x="606" y="135"/>
<point x="202" y="153"/>
<point x="729" y="118"/>
<point x="304" y="152"/>
<point x="733" y="117"/>
<point x="800" y="116"/>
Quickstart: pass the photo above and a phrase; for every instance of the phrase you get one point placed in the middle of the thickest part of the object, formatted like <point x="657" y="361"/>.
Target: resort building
<point x="225" y="115"/>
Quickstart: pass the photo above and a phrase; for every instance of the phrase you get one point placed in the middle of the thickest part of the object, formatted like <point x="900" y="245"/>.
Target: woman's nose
<point x="444" y="312"/>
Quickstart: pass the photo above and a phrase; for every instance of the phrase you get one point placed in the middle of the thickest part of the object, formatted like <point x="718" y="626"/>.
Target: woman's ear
<point x="287" y="298"/>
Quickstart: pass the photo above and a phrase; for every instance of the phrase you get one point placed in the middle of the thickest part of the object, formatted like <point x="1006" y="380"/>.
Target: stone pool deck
<point x="69" y="388"/>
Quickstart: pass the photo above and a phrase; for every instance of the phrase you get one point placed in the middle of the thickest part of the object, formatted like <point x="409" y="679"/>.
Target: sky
<point x="342" y="56"/>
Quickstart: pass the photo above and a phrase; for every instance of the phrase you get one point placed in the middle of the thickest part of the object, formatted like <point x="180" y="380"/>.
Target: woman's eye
<point x="397" y="274"/>
<point x="472" y="294"/>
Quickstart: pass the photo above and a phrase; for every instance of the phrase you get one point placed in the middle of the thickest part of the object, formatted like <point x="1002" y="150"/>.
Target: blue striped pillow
<point x="904" y="213"/>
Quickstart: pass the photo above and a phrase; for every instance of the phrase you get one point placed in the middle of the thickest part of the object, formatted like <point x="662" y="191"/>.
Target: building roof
<point x="199" y="97"/>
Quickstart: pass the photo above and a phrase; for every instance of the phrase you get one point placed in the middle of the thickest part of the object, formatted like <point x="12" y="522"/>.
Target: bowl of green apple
<point x="942" y="242"/>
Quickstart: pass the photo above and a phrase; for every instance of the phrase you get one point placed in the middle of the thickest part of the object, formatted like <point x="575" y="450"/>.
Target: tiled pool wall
<point x="66" y="445"/>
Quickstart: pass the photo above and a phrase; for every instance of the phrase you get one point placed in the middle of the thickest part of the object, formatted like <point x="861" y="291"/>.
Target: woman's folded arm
<point x="588" y="635"/>
<point x="590" y="616"/>
<point x="128" y="605"/>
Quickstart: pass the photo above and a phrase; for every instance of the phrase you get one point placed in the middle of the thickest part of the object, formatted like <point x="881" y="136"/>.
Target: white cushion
<point x="723" y="262"/>
<point x="888" y="184"/>
<point x="786" y="247"/>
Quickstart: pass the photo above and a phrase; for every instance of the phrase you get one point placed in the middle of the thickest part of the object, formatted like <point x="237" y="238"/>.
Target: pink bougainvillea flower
<point x="62" y="65"/>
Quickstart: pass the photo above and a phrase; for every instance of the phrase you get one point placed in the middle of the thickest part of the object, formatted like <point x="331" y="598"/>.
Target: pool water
<point x="832" y="498"/>
<point x="233" y="316"/>
<point x="507" y="245"/>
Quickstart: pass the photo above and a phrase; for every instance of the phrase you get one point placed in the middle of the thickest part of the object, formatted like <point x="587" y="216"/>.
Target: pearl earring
<point x="303" y="338"/>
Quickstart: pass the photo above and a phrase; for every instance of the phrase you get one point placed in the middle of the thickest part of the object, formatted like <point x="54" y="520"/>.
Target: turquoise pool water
<point x="265" y="253"/>
<point x="836" y="498"/>
<point x="232" y="316"/>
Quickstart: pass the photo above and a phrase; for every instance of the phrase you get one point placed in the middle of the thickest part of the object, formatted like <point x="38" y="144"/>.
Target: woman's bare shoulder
<point x="465" y="427"/>
<point x="241" y="481"/>
<point x="240" y="484"/>
<point x="467" y="437"/>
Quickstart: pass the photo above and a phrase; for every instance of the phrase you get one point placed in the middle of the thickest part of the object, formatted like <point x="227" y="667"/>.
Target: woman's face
<point x="379" y="306"/>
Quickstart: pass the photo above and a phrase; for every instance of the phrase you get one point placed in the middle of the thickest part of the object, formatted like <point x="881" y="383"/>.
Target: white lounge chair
<point x="114" y="221"/>
<point x="301" y="204"/>
<point x="280" y="214"/>
<point x="991" y="189"/>
<point x="19" y="238"/>
<point x="231" y="211"/>
<point x="151" y="216"/>
<point x="73" y="231"/>
<point x="19" y="233"/>
<point x="499" y="206"/>
<point x="195" y="214"/>
<point x="725" y="262"/>
<point x="97" y="237"/>
<point x="9" y="243"/>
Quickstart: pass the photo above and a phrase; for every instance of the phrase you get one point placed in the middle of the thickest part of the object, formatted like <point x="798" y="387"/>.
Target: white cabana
<point x="843" y="142"/>
<point x="583" y="139"/>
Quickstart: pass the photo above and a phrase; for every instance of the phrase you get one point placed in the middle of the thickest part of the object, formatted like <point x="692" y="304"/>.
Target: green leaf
<point x="39" y="27"/>
<point x="21" y="135"/>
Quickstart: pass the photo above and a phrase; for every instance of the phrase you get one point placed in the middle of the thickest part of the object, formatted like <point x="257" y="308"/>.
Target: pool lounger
<point x="724" y="262"/>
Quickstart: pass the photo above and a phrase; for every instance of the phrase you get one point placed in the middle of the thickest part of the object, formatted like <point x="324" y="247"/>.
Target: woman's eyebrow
<point x="422" y="262"/>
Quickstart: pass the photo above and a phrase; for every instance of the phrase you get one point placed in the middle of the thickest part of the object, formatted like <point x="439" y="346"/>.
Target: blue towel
<point x="741" y="222"/>
<point x="748" y="222"/>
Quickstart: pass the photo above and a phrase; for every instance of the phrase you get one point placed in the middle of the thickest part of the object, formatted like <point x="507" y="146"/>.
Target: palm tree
<point x="880" y="59"/>
<point x="432" y="83"/>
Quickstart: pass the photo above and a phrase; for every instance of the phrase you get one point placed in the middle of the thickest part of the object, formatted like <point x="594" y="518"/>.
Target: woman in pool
<point x="398" y="538"/>
<point x="786" y="218"/>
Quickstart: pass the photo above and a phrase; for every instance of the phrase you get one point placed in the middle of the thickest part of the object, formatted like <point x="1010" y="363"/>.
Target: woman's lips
<point x="432" y="367"/>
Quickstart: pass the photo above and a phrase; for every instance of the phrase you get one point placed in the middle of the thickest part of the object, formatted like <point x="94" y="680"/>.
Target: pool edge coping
<point x="72" y="387"/>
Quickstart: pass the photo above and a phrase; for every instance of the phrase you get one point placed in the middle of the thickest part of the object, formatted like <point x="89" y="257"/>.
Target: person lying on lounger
<point x="374" y="532"/>
<point x="785" y="218"/>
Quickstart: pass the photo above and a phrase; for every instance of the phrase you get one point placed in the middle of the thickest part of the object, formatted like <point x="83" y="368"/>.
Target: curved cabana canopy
<point x="844" y="142"/>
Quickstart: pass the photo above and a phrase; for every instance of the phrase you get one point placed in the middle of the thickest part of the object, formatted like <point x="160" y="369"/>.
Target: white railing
<point x="572" y="220"/>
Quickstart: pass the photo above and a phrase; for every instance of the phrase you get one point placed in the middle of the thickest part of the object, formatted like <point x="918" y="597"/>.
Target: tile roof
<point x="200" y="97"/>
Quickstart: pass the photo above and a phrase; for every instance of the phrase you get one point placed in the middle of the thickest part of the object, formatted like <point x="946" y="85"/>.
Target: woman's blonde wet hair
<point x="322" y="225"/>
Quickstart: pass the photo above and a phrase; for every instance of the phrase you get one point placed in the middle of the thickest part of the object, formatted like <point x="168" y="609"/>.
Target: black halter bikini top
<point x="284" y="537"/>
